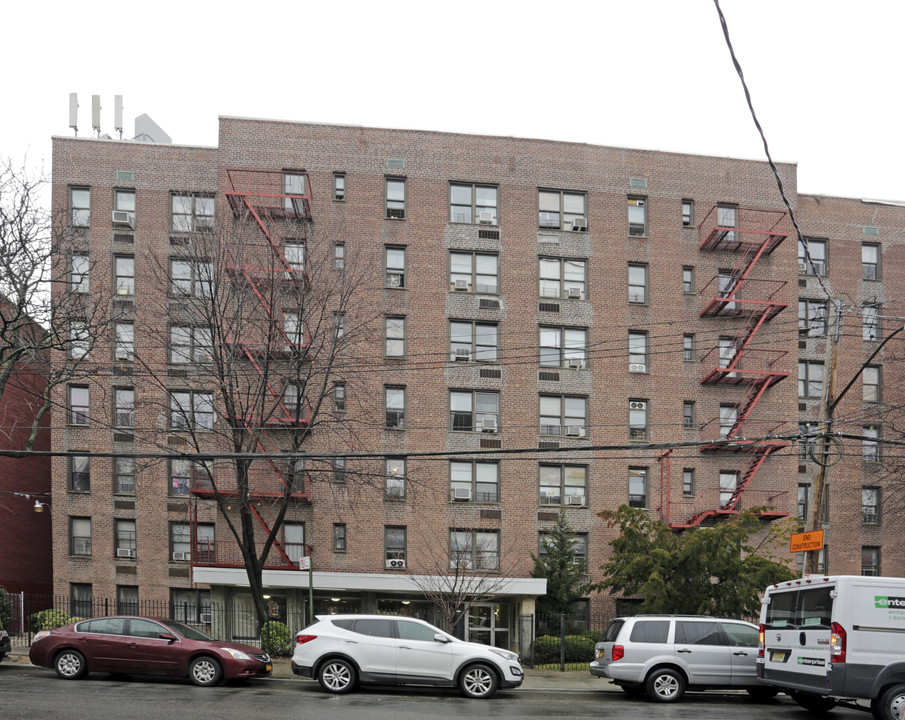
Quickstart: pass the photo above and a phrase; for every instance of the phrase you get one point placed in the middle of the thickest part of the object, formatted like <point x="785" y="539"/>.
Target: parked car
<point x="5" y="645"/>
<point x="344" y="650"/>
<point x="127" y="644"/>
<point x="663" y="655"/>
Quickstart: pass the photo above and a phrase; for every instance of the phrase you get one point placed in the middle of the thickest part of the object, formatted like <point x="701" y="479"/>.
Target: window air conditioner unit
<point x="122" y="217"/>
<point x="461" y="285"/>
<point x="576" y="363"/>
<point x="181" y="555"/>
<point x="205" y="618"/>
<point x="487" y="425"/>
<point x="463" y="354"/>
<point x="637" y="406"/>
<point x="579" y="223"/>
<point x="125" y="553"/>
<point x="637" y="367"/>
<point x="396" y="564"/>
<point x="461" y="493"/>
<point x="485" y="217"/>
<point x="639" y="202"/>
<point x="574" y="431"/>
<point x="574" y="293"/>
<point x="394" y="280"/>
<point x="575" y="500"/>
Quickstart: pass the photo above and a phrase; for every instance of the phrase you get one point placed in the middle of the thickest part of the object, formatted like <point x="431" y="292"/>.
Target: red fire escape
<point x="741" y="359"/>
<point x="277" y="205"/>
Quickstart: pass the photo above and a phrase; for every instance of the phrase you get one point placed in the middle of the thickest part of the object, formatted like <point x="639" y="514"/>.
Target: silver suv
<point x="662" y="655"/>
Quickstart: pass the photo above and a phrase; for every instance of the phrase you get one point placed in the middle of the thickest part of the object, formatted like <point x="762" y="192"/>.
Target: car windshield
<point x="186" y="631"/>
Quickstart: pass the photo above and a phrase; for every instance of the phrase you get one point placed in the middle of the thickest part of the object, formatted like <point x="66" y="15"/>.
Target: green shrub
<point x="579" y="648"/>
<point x="546" y="649"/>
<point x="48" y="620"/>
<point x="6" y="608"/>
<point x="275" y="639"/>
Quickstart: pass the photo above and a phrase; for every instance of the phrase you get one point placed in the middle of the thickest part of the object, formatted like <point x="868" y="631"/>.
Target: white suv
<point x="343" y="650"/>
<point x="662" y="655"/>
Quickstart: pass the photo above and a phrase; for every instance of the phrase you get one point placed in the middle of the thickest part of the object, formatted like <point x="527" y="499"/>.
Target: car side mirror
<point x="169" y="637"/>
<point x="441" y="638"/>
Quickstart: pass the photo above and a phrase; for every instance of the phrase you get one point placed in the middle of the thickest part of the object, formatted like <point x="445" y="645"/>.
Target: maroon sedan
<point x="145" y="646"/>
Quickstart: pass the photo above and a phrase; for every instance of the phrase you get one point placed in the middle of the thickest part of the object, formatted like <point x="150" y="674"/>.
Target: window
<point x="870" y="322"/>
<point x="727" y="282"/>
<point x="339" y="537"/>
<point x="637" y="351"/>
<point x="687" y="213"/>
<point x="637" y="487"/>
<point x="473" y="341"/>
<point x="124" y="407"/>
<point x="124" y="475"/>
<point x="80" y="206"/>
<point x="190" y="344"/>
<point x="180" y="541"/>
<point x="124" y="531"/>
<point x="637" y="420"/>
<point x="810" y="379"/>
<point x="80" y="473"/>
<point x="191" y="410"/>
<point x="812" y="257"/>
<point x="474" y="480"/>
<point x="339" y="187"/>
<point x="579" y="547"/>
<point x="394" y="547"/>
<point x="870" y="505"/>
<point x="79" y="341"/>
<point x="294" y="541"/>
<point x="870" y="448"/>
<point x="290" y="399"/>
<point x="474" y="549"/>
<point x="124" y="275"/>
<point x="124" y="208"/>
<point x="395" y="264"/>
<point x="127" y="599"/>
<point x="395" y="407"/>
<point x="811" y="317"/>
<point x="294" y="252"/>
<point x="205" y="543"/>
<point x="395" y="478"/>
<point x="192" y="213"/>
<point x="190" y="278"/>
<point x="688" y="414"/>
<point x="473" y="203"/>
<point x="688" y="481"/>
<point x="81" y="600"/>
<point x="80" y="536"/>
<point x="563" y="415"/>
<point x="805" y="444"/>
<point x="339" y="469"/>
<point x="339" y="397"/>
<point x="339" y="325"/>
<point x="395" y="337"/>
<point x="124" y="342"/>
<point x="563" y="484"/>
<point x="871" y="384"/>
<point x="870" y="261"/>
<point x="804" y="490"/>
<point x="728" y="485"/>
<point x="561" y="210"/>
<point x="395" y="198"/>
<point x="870" y="560"/>
<point x="79" y="274"/>
<point x="727" y="217"/>
<point x="293" y="184"/>
<point x="563" y="347"/>
<point x="191" y="606"/>
<point x="688" y="347"/>
<point x="637" y="216"/>
<point x="728" y="419"/>
<point x="187" y="474"/>
<point x="728" y="349"/>
<point x="687" y="279"/>
<point x="474" y="272"/>
<point x="474" y="411"/>
<point x="339" y="256"/>
<point x="561" y="278"/>
<point x="78" y="405"/>
<point x="637" y="284"/>
<point x="294" y="331"/>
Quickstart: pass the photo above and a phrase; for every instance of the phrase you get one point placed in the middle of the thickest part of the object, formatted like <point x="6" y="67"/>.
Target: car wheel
<point x="478" y="681"/>
<point x="337" y="676"/>
<point x="70" y="665"/>
<point x="205" y="671"/>
<point x="762" y="693"/>
<point x="665" y="685"/>
<point x="816" y="704"/>
<point x="891" y="705"/>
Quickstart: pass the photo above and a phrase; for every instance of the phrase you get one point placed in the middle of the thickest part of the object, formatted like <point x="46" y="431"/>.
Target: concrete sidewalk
<point x="542" y="680"/>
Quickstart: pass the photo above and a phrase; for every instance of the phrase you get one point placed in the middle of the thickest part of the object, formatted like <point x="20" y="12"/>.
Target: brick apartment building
<point x="517" y="295"/>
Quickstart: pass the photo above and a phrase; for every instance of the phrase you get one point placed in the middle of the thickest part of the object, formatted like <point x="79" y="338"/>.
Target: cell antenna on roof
<point x="96" y="114"/>
<point x="118" y="115"/>
<point x="74" y="112"/>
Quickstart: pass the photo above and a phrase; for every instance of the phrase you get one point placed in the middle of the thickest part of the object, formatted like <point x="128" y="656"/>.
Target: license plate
<point x="777" y="656"/>
<point x="268" y="668"/>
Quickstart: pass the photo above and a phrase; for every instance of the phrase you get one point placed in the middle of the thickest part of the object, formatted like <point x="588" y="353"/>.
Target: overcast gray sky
<point x="825" y="75"/>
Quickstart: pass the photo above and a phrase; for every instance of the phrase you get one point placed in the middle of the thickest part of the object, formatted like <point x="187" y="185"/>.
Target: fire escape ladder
<point x="757" y="459"/>
<point x="755" y="393"/>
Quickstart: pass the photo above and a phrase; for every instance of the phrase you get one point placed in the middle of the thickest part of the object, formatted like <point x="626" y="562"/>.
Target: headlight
<point x="236" y="654"/>
<point x="505" y="654"/>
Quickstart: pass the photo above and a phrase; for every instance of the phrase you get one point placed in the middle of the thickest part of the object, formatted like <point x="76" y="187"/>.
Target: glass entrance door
<point x="490" y="624"/>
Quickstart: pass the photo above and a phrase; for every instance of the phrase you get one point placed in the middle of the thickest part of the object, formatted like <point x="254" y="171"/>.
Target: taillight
<point x="760" y="641"/>
<point x="837" y="644"/>
<point x="302" y="639"/>
<point x="618" y="652"/>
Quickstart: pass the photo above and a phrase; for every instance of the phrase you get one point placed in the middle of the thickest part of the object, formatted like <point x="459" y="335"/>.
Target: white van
<point x="826" y="639"/>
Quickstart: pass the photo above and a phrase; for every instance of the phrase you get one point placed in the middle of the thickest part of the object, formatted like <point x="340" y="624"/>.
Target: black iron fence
<point x="559" y="641"/>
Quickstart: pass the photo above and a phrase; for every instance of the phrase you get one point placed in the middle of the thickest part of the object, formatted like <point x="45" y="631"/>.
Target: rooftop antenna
<point x="118" y="115"/>
<point x="96" y="114"/>
<point x="74" y="112"/>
